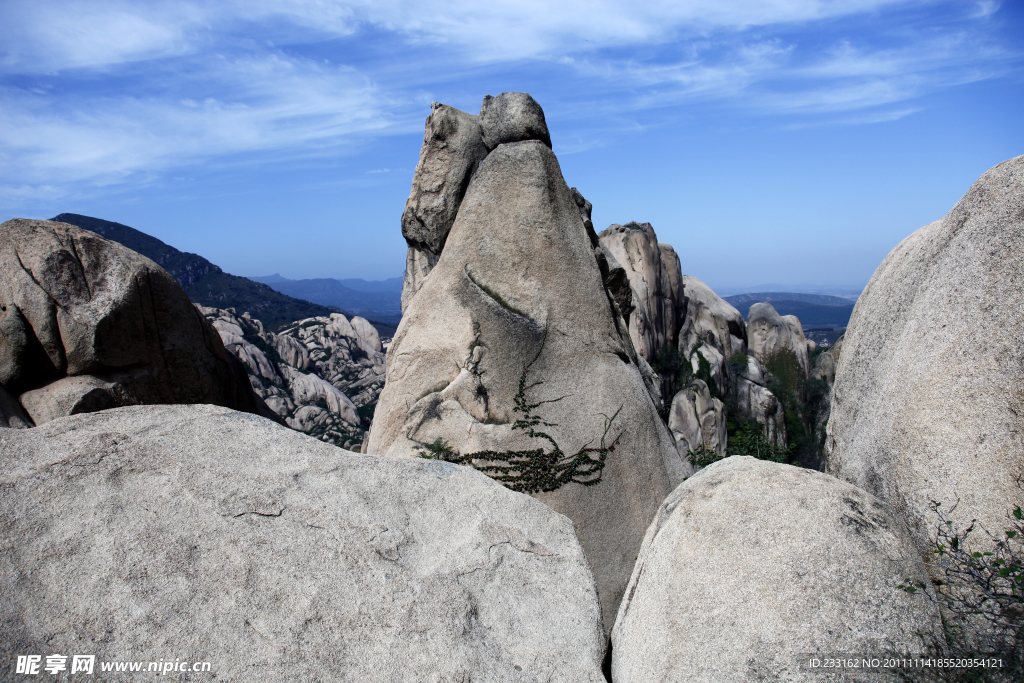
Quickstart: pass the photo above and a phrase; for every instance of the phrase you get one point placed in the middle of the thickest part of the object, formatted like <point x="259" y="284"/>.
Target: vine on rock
<point x="538" y="469"/>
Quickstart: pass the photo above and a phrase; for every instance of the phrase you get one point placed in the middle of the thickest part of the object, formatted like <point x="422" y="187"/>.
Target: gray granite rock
<point x="88" y="323"/>
<point x="11" y="413"/>
<point x="769" y="333"/>
<point x="199" y="533"/>
<point x="927" y="402"/>
<point x="696" y="419"/>
<point x="314" y="375"/>
<point x="517" y="295"/>
<point x="452" y="149"/>
<point x="512" y="117"/>
<point x="652" y="324"/>
<point x="751" y="567"/>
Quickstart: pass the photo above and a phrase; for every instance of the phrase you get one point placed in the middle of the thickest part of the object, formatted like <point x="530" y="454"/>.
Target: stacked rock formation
<point x="927" y="402"/>
<point x="87" y="324"/>
<point x="198" y="534"/>
<point x="317" y="375"/>
<point x="512" y="355"/>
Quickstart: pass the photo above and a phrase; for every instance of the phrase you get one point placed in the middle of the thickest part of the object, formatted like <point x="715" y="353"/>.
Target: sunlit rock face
<point x="766" y="562"/>
<point x="164" y="532"/>
<point x="927" y="402"/>
<point x="319" y="375"/>
<point x="514" y="326"/>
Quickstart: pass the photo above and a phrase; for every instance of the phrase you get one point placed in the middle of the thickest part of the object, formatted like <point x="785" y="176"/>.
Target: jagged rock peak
<point x="516" y="309"/>
<point x="452" y="149"/>
<point x="652" y="324"/>
<point x="512" y="117"/>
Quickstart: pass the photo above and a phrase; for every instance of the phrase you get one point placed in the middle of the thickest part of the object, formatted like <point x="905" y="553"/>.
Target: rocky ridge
<point x="321" y="375"/>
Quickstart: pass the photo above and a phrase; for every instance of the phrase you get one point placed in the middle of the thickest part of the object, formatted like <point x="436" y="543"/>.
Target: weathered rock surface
<point x="315" y="375"/>
<point x="768" y="333"/>
<point x="199" y="533"/>
<point x="652" y="325"/>
<point x="452" y="148"/>
<point x="763" y="562"/>
<point x="512" y="117"/>
<point x="712" y="320"/>
<point x="89" y="324"/>
<point x="696" y="419"/>
<point x="516" y="307"/>
<point x="927" y="401"/>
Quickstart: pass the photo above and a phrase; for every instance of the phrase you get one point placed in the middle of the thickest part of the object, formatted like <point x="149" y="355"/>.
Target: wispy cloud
<point x="238" y="106"/>
<point x="114" y="91"/>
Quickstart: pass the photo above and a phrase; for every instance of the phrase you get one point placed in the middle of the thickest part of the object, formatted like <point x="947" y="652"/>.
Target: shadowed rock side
<point x="320" y="375"/>
<point x="928" y="400"/>
<point x="452" y="148"/>
<point x="652" y="325"/>
<point x="751" y="564"/>
<point x="516" y="306"/>
<point x="202" y="534"/>
<point x="88" y="324"/>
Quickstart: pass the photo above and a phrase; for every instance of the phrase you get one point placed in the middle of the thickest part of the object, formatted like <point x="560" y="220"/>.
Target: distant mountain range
<point x="379" y="300"/>
<point x="204" y="282"/>
<point x="814" y="310"/>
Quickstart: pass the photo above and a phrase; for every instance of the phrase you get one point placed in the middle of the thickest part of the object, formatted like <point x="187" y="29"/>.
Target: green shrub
<point x="980" y="593"/>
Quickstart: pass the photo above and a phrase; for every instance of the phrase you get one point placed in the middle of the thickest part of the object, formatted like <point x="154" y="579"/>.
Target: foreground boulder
<point x="87" y="324"/>
<point x="927" y="403"/>
<point x="750" y="566"/>
<point x="511" y="356"/>
<point x="195" y="532"/>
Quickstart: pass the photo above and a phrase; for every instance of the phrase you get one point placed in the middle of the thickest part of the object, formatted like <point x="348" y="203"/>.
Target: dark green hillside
<point x="385" y="306"/>
<point x="204" y="282"/>
<point x="814" y="310"/>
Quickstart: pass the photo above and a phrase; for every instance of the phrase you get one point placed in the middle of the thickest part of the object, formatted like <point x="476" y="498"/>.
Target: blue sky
<point x="792" y="142"/>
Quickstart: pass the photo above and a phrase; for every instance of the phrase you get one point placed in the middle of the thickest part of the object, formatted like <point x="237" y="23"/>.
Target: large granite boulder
<point x="927" y="403"/>
<point x="452" y="148"/>
<point x="513" y="337"/>
<point x="652" y="324"/>
<point x="751" y="567"/>
<point x="825" y="364"/>
<point x="88" y="324"/>
<point x="769" y="333"/>
<point x="202" y="534"/>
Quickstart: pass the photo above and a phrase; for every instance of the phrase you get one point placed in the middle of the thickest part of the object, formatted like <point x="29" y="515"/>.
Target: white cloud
<point x="105" y="91"/>
<point x="251" y="105"/>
